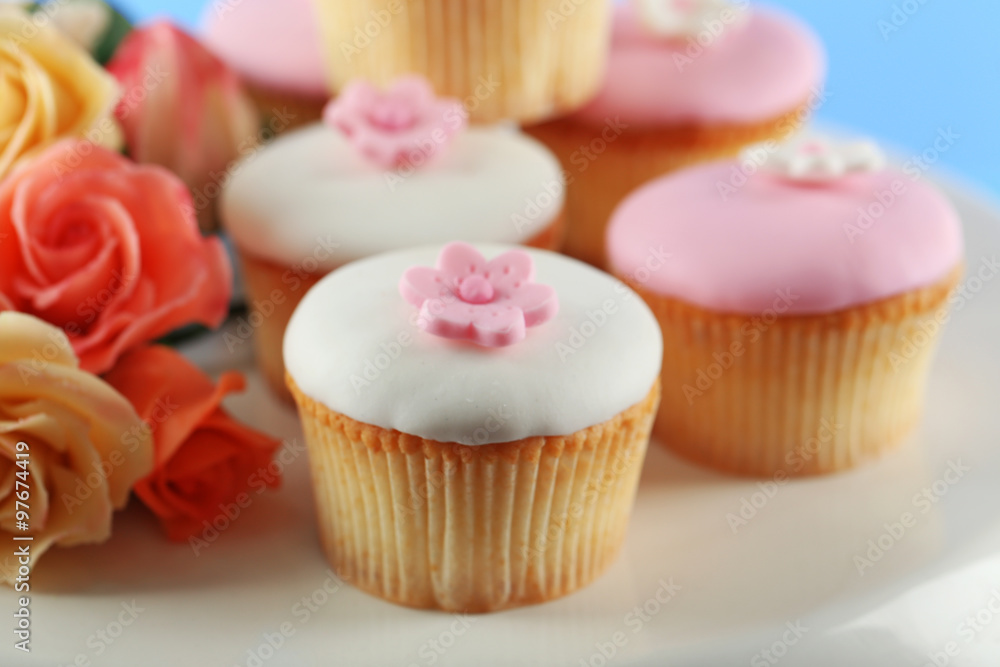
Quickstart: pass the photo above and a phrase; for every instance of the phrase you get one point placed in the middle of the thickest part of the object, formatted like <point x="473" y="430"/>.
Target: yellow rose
<point x="71" y="447"/>
<point x="50" y="89"/>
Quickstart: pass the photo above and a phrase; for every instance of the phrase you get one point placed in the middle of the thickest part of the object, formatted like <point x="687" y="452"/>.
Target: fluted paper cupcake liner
<point x="608" y="162"/>
<point x="472" y="529"/>
<point x="808" y="395"/>
<point x="273" y="291"/>
<point x="508" y="59"/>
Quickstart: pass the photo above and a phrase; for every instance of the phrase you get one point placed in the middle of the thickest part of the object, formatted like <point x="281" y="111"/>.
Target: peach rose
<point x="196" y="123"/>
<point x="71" y="447"/>
<point x="50" y="89"/>
<point x="107" y="250"/>
<point x="204" y="459"/>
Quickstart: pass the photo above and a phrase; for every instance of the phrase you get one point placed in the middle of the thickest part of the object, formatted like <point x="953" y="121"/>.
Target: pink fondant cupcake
<point x="276" y="49"/>
<point x="800" y="306"/>
<point x="688" y="81"/>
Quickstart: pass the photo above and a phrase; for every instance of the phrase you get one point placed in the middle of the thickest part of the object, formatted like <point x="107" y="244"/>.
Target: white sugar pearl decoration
<point x="687" y="18"/>
<point x="819" y="159"/>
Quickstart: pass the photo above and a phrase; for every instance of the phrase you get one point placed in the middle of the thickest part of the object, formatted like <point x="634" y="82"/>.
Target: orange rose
<point x="107" y="250"/>
<point x="203" y="459"/>
<point x="70" y="446"/>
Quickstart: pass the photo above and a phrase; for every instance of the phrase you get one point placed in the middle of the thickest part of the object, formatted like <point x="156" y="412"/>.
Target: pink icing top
<point x="488" y="303"/>
<point x="823" y="247"/>
<point x="271" y="44"/>
<point x="753" y="72"/>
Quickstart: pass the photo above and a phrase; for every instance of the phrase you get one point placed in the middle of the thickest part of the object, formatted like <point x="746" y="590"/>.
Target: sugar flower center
<point x="476" y="290"/>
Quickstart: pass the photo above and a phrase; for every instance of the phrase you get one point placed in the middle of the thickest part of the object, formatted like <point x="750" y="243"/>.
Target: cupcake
<point x="475" y="430"/>
<point x="801" y="292"/>
<point x="506" y="60"/>
<point x="387" y="170"/>
<point x="687" y="82"/>
<point x="276" y="49"/>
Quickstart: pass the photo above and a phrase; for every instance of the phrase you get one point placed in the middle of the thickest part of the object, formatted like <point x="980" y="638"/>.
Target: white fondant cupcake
<point x="475" y="430"/>
<point x="387" y="170"/>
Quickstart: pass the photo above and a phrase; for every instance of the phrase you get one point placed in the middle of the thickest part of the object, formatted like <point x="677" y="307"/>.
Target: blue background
<point x="940" y="69"/>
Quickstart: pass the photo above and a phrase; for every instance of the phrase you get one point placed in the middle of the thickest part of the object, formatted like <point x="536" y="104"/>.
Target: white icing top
<point x="353" y="345"/>
<point x="312" y="190"/>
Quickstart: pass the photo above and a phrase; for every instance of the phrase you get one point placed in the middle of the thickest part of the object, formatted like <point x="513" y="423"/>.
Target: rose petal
<point x="203" y="457"/>
<point x="193" y="116"/>
<point x="75" y="240"/>
<point x="113" y="422"/>
<point x="91" y="191"/>
<point x="27" y="338"/>
<point x="180" y="278"/>
<point x="86" y="449"/>
<point x="66" y="94"/>
<point x="169" y="393"/>
<point x="72" y="299"/>
<point x="204" y="300"/>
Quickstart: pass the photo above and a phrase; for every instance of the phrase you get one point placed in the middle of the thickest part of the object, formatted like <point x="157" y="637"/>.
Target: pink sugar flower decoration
<point x="488" y="303"/>
<point x="405" y="124"/>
